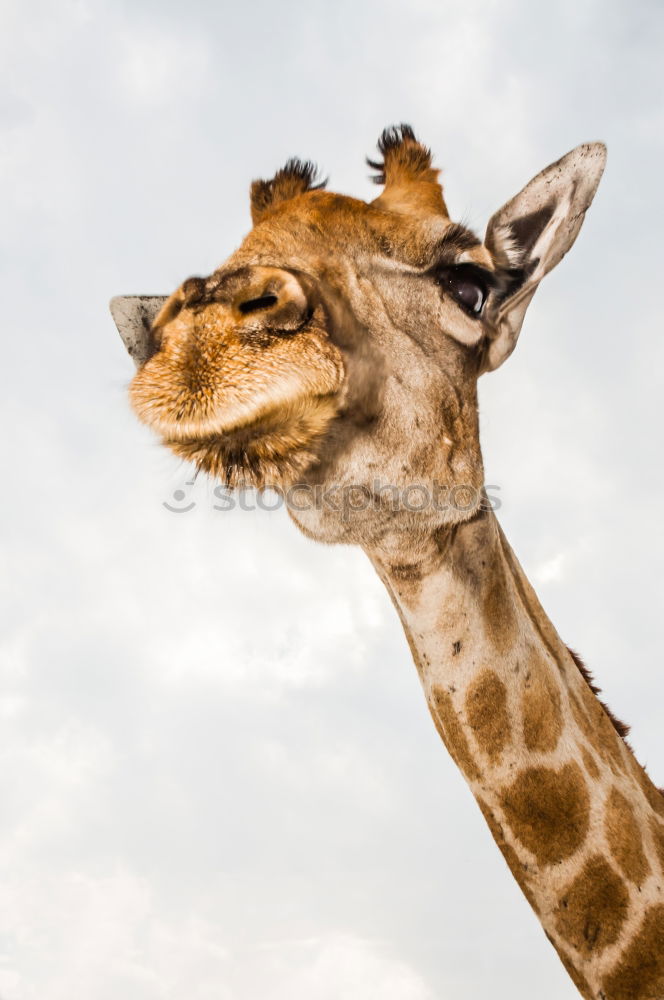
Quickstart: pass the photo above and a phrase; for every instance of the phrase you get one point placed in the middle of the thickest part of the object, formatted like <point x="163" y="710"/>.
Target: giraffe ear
<point x="529" y="235"/>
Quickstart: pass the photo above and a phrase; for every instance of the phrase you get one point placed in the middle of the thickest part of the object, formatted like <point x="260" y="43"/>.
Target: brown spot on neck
<point x="594" y="723"/>
<point x="593" y="908"/>
<point x="540" y="705"/>
<point x="590" y="763"/>
<point x="625" y="838"/>
<point x="548" y="811"/>
<point x="451" y="731"/>
<point x="486" y="708"/>
<point x="407" y="572"/>
<point x="639" y="972"/>
<point x="657" y="831"/>
<point x="498" y="607"/>
<point x="652" y="793"/>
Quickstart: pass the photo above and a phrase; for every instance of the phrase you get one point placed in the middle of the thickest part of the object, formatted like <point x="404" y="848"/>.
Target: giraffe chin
<point x="274" y="450"/>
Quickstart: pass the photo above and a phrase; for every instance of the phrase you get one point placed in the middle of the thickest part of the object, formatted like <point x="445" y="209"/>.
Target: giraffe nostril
<point x="268" y="299"/>
<point x="258" y="304"/>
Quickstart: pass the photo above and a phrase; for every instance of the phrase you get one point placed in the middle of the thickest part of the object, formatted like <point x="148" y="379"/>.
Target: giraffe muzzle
<point x="234" y="368"/>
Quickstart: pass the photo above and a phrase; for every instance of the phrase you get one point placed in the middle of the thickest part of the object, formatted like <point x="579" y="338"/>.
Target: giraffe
<point x="335" y="357"/>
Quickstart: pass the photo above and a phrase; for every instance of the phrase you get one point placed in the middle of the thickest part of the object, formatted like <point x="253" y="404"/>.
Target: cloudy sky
<point x="219" y="778"/>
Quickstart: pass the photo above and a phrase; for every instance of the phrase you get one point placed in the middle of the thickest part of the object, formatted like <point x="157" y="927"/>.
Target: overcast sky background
<point x="219" y="778"/>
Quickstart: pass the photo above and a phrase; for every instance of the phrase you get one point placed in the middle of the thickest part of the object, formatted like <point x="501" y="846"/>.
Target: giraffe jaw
<point x="274" y="450"/>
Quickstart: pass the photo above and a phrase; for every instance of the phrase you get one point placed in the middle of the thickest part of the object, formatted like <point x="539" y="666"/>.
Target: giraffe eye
<point x="465" y="286"/>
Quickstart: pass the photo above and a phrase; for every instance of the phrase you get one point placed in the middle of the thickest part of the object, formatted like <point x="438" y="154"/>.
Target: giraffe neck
<point x="578" y="821"/>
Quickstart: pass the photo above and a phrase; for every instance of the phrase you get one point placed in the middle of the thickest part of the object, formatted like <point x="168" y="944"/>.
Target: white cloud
<point x="342" y="967"/>
<point x="156" y="67"/>
<point x="553" y="570"/>
<point x="104" y="936"/>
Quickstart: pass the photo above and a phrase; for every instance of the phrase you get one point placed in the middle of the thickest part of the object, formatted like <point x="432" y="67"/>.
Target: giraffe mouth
<point x="273" y="450"/>
<point x="245" y="403"/>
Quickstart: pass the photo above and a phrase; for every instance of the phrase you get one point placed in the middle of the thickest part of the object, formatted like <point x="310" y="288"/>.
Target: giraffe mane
<point x="622" y="728"/>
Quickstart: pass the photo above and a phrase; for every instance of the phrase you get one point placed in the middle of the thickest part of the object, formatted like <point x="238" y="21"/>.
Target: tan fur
<point x="340" y="348"/>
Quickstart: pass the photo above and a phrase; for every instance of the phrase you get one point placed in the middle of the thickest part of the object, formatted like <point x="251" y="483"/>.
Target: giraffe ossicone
<point x="337" y="352"/>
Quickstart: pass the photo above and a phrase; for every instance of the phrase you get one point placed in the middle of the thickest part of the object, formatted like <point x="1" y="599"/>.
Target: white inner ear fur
<point x="544" y="245"/>
<point x="507" y="244"/>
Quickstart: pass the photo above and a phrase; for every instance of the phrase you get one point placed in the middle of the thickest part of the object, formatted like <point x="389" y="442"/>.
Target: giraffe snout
<point x="238" y="348"/>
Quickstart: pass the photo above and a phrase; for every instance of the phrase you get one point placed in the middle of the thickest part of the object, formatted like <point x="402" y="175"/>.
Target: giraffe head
<point x="335" y="355"/>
